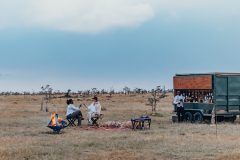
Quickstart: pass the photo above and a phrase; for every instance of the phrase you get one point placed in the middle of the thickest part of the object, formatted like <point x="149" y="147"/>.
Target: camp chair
<point x="71" y="121"/>
<point x="95" y="119"/>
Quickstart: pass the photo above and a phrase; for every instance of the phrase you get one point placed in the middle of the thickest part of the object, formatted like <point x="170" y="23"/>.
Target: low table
<point x="139" y="123"/>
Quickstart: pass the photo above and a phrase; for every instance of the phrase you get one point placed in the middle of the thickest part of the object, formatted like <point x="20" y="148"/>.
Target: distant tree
<point x="156" y="95"/>
<point x="87" y="92"/>
<point x="153" y="100"/>
<point x="47" y="92"/>
<point x="158" y="89"/>
<point x="144" y="91"/>
<point x="58" y="92"/>
<point x="94" y="91"/>
<point x="103" y="91"/>
<point x="164" y="92"/>
<point x="137" y="90"/>
<point x="111" y="92"/>
<point x="68" y="93"/>
<point x="126" y="90"/>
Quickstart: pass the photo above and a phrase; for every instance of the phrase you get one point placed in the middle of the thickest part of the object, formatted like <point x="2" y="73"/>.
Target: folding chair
<point x="71" y="121"/>
<point x="96" y="118"/>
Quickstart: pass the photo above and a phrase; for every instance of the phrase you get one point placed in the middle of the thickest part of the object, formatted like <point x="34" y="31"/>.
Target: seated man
<point x="93" y="109"/>
<point x="73" y="112"/>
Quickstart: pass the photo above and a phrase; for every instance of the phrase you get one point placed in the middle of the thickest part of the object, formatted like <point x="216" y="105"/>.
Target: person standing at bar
<point x="178" y="101"/>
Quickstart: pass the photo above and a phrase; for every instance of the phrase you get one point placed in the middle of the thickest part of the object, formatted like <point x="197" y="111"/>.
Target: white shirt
<point x="91" y="108"/>
<point x="95" y="107"/>
<point x="178" y="100"/>
<point x="71" y="108"/>
<point x="98" y="107"/>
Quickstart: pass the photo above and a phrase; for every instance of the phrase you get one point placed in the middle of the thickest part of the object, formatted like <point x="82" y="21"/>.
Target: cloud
<point x="75" y="15"/>
<point x="92" y="16"/>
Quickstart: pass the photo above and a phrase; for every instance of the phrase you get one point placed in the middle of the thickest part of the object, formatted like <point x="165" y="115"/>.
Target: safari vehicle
<point x="203" y="92"/>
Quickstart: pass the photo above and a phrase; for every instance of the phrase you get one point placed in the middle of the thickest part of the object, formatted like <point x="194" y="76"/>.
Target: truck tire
<point x="188" y="117"/>
<point x="198" y="118"/>
<point x="232" y="119"/>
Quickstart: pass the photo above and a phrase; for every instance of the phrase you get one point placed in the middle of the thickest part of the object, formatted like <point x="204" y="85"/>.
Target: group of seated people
<point x="208" y="98"/>
<point x="75" y="113"/>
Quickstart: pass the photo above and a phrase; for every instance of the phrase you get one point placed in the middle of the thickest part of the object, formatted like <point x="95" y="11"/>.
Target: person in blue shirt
<point x="74" y="112"/>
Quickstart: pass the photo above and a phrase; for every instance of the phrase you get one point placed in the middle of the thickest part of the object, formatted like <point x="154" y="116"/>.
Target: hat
<point x="95" y="98"/>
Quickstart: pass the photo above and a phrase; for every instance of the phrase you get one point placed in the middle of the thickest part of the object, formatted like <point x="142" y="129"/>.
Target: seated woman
<point x="74" y="112"/>
<point x="93" y="109"/>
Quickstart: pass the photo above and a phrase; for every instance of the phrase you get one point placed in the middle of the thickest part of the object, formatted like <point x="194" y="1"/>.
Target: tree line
<point x="48" y="90"/>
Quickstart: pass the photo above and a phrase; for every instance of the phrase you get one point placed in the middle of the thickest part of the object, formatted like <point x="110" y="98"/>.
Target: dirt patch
<point x="99" y="129"/>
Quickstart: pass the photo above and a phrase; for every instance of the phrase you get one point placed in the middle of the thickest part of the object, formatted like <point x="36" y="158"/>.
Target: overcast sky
<point x="80" y="44"/>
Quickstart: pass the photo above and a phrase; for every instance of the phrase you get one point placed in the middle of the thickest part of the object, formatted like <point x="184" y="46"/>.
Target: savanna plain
<point x="24" y="135"/>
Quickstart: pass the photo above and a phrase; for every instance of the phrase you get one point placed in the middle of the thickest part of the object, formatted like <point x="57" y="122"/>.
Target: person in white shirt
<point x="93" y="109"/>
<point x="74" y="112"/>
<point x="178" y="102"/>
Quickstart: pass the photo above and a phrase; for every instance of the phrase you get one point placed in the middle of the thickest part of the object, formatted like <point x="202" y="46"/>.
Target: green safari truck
<point x="208" y="93"/>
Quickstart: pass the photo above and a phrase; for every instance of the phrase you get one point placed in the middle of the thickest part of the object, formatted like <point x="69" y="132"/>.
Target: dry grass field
<point x="24" y="135"/>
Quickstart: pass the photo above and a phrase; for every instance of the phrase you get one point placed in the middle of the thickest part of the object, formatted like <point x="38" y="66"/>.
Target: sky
<point x="82" y="44"/>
